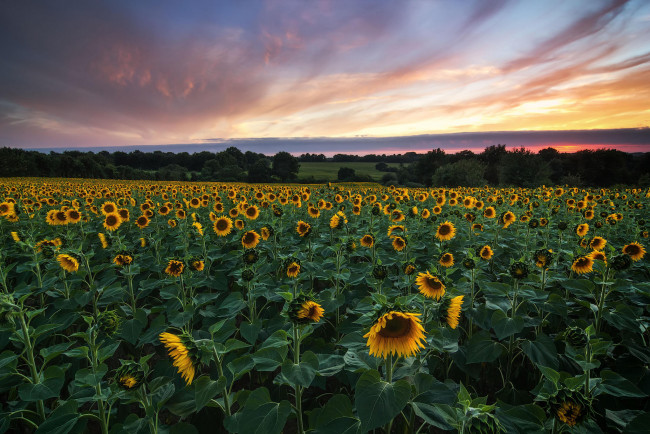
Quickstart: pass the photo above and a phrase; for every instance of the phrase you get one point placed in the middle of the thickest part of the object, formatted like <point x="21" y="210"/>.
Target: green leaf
<point x="377" y="401"/>
<point x="504" y="326"/>
<point x="638" y="425"/>
<point x="303" y="373"/>
<point x="130" y="330"/>
<point x="268" y="359"/>
<point x="55" y="350"/>
<point x="330" y="364"/>
<point x="522" y="419"/>
<point x="250" y="331"/>
<point x="62" y="420"/>
<point x="276" y="340"/>
<point x="616" y="385"/>
<point x="549" y="373"/>
<point x="205" y="389"/>
<point x="342" y="425"/>
<point x="183" y="428"/>
<point x="439" y="415"/>
<point x="337" y="407"/>
<point x="240" y="366"/>
<point x="262" y="416"/>
<point x="541" y="351"/>
<point x="54" y="378"/>
<point x="582" y="288"/>
<point x="481" y="348"/>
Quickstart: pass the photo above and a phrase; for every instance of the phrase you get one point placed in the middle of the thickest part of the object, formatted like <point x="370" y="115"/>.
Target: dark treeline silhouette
<point x="495" y="166"/>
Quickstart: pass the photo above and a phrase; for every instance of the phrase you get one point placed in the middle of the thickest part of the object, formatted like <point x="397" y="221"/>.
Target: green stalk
<point x="297" y="387"/>
<point x="588" y="359"/>
<point x="389" y="379"/>
<point x="103" y="417"/>
<point x="32" y="363"/>
<point x="601" y="301"/>
<point x="226" y="400"/>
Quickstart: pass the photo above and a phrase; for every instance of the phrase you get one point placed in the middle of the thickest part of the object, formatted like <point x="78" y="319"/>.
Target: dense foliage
<point x="495" y="166"/>
<point x="132" y="307"/>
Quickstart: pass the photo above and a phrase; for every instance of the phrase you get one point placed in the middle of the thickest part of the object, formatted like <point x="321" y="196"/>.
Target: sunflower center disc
<point x="396" y="328"/>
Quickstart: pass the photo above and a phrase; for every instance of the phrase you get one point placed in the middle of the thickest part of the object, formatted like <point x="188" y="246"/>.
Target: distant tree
<point x="426" y="166"/>
<point x="381" y="166"/>
<point x="260" y="171"/>
<point x="492" y="156"/>
<point x="463" y="173"/>
<point x="522" y="168"/>
<point x="346" y="174"/>
<point x="389" y="179"/>
<point x="285" y="166"/>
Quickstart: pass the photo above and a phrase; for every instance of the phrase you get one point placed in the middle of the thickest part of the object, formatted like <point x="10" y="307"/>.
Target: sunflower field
<point x="130" y="307"/>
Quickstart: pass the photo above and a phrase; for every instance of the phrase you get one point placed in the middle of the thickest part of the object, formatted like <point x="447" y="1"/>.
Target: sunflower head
<point x="222" y="226"/>
<point x="409" y="269"/>
<point x="250" y="256"/>
<point x="367" y="240"/>
<point x="130" y="375"/>
<point x="175" y="268"/>
<point x="576" y="337"/>
<point x="569" y="407"/>
<point x="184" y="352"/>
<point x="483" y="422"/>
<point x="247" y="275"/>
<point x="446" y="231"/>
<point x="562" y="226"/>
<point x="543" y="258"/>
<point x="399" y="243"/>
<point x="267" y="232"/>
<point x="533" y="223"/>
<point x="303" y="228"/>
<point x="449" y="310"/>
<point x="303" y="309"/>
<point x="197" y="264"/>
<point x="292" y="267"/>
<point x="582" y="265"/>
<point x="430" y="286"/>
<point x="108" y="322"/>
<point x="634" y="250"/>
<point x="485" y="252"/>
<point x="519" y="270"/>
<point x="68" y="262"/>
<point x="380" y="272"/>
<point x="396" y="333"/>
<point x="446" y="260"/>
<point x="469" y="263"/>
<point x="122" y="259"/>
<point x="250" y="239"/>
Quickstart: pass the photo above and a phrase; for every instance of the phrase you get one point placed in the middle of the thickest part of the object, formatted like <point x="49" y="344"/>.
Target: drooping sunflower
<point x="399" y="243"/>
<point x="222" y="226"/>
<point x="582" y="265"/>
<point x="430" y="286"/>
<point x="408" y="269"/>
<point x="446" y="231"/>
<point x="250" y="239"/>
<point x="338" y="220"/>
<point x="267" y="232"/>
<point x="197" y="264"/>
<point x="485" y="252"/>
<point x="543" y="258"/>
<point x="396" y="333"/>
<point x="446" y="260"/>
<point x="293" y="269"/>
<point x="142" y="222"/>
<point x="68" y="262"/>
<point x="507" y="218"/>
<point x="451" y="310"/>
<point x="634" y="250"/>
<point x="174" y="268"/>
<point x="303" y="228"/>
<point x="112" y="221"/>
<point x="122" y="259"/>
<point x="129" y="375"/>
<point x="367" y="241"/>
<point x="182" y="350"/>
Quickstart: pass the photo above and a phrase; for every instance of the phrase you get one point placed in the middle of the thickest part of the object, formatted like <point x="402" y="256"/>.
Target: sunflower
<point x="446" y="260"/>
<point x="129" y="375"/>
<point x="446" y="231"/>
<point x="197" y="264"/>
<point x="172" y="223"/>
<point x="543" y="258"/>
<point x="396" y="333"/>
<point x="293" y="269"/>
<point x="109" y="208"/>
<point x="507" y="218"/>
<point x="181" y="349"/>
<point x="73" y="215"/>
<point x="489" y="212"/>
<point x="252" y="212"/>
<point x="582" y="229"/>
<point x="124" y="214"/>
<point x="313" y="212"/>
<point x="582" y="265"/>
<point x="597" y="255"/>
<point x="174" y="268"/>
<point x="222" y="226"/>
<point x="15" y="236"/>
<point x="303" y="228"/>
<point x="485" y="252"/>
<point x="303" y="310"/>
<point x="266" y="232"/>
<point x="239" y="224"/>
<point x="338" y="220"/>
<point x="142" y="222"/>
<point x="367" y="241"/>
<point x="112" y="221"/>
<point x="451" y="309"/>
<point x="409" y="269"/>
<point x="122" y="259"/>
<point x="425" y="214"/>
<point x="181" y="214"/>
<point x="436" y="210"/>
<point x="68" y="263"/>
<point x="634" y="250"/>
<point x="399" y="243"/>
<point x="250" y="256"/>
<point x="395" y="230"/>
<point x="250" y="239"/>
<point x="430" y="286"/>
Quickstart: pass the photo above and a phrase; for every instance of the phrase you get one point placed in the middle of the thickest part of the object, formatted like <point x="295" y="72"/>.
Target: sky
<point x="325" y="76"/>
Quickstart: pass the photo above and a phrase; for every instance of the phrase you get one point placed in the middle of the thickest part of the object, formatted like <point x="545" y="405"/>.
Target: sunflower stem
<point x="226" y="401"/>
<point x="389" y="379"/>
<point x="29" y="348"/>
<point x="588" y="370"/>
<point x="601" y="301"/>
<point x="297" y="387"/>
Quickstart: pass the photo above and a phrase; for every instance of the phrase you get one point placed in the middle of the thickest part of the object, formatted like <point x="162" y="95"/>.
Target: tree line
<point x="495" y="166"/>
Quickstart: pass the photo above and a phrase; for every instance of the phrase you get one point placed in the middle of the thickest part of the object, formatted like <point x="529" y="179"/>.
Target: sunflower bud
<point x="519" y="270"/>
<point x="129" y="376"/>
<point x="380" y="272"/>
<point x="469" y="263"/>
<point x="576" y="337"/>
<point x="562" y="226"/>
<point x="108" y="322"/>
<point x="250" y="256"/>
<point x="621" y="262"/>
<point x="570" y="407"/>
<point x="376" y="211"/>
<point x="409" y="269"/>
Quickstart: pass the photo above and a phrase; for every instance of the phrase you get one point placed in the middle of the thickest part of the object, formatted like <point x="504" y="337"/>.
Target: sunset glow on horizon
<point x="108" y="74"/>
